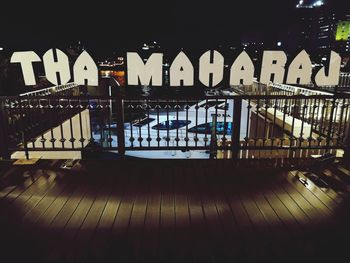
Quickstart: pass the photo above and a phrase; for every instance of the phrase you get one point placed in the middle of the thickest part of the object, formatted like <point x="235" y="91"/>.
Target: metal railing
<point x="59" y="89"/>
<point x="242" y="126"/>
<point x="344" y="80"/>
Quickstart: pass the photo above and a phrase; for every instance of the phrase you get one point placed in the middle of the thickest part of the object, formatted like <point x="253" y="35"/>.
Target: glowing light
<point x="318" y="3"/>
<point x="279" y="44"/>
<point x="145" y="47"/>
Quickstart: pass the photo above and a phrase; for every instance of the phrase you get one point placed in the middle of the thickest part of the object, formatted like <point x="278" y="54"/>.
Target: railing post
<point x="346" y="140"/>
<point x="213" y="138"/>
<point x="236" y="127"/>
<point x="4" y="151"/>
<point x="120" y="123"/>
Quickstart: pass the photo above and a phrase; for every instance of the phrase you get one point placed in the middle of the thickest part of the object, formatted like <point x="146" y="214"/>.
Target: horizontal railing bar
<point x="137" y="148"/>
<point x="137" y="98"/>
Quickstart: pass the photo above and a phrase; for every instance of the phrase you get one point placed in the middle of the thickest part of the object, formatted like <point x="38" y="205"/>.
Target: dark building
<point x="321" y="27"/>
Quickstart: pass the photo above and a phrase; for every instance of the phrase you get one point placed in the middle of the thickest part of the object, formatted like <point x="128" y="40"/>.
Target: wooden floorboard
<point x="164" y="211"/>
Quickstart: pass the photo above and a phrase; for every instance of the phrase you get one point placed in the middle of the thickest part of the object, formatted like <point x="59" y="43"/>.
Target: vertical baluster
<point x="275" y="106"/>
<point x="140" y="139"/>
<point x="158" y="138"/>
<point x="80" y="124"/>
<point x="4" y="130"/>
<point x="312" y="122"/>
<point x="317" y="123"/>
<point x="346" y="115"/>
<point x="327" y="118"/>
<point x="196" y="136"/>
<point x="92" y="139"/>
<point x="148" y="126"/>
<point x="24" y="135"/>
<point x="120" y="124"/>
<point x="257" y="122"/>
<point x="291" y="137"/>
<point x="168" y="121"/>
<point x="322" y="117"/>
<point x="339" y="134"/>
<point x="265" y="134"/>
<point x="237" y="112"/>
<point x="186" y="138"/>
<point x="177" y="119"/>
<point x="304" y="109"/>
<point x="131" y="139"/>
<point x="52" y="140"/>
<point x="72" y="139"/>
<point x="248" y="123"/>
<point x="335" y="112"/>
<point x="330" y="124"/>
<point x="285" y="109"/>
<point x="206" y="122"/>
<point x="110" y="138"/>
<point x="100" y="121"/>
<point x="225" y="124"/>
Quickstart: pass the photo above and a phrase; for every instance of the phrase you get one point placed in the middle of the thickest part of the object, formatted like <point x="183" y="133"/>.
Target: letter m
<point x="149" y="73"/>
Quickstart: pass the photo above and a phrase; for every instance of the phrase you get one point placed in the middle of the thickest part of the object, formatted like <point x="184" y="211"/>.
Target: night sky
<point x="106" y="26"/>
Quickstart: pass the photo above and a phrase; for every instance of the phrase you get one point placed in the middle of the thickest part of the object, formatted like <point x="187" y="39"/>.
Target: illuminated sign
<point x="343" y="31"/>
<point x="210" y="73"/>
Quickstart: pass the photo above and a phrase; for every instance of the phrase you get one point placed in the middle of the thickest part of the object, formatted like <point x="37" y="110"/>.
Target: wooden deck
<point x="170" y="211"/>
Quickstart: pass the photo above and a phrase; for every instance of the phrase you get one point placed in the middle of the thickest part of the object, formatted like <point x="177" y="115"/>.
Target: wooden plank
<point x="250" y="237"/>
<point x="99" y="245"/>
<point x="201" y="248"/>
<point x="74" y="225"/>
<point x="345" y="170"/>
<point x="57" y="226"/>
<point x="321" y="208"/>
<point x="48" y="216"/>
<point x="182" y="216"/>
<point x="324" y="198"/>
<point x="310" y="211"/>
<point x="6" y="191"/>
<point x="231" y="229"/>
<point x="40" y="203"/>
<point x="278" y="235"/>
<point x="151" y="237"/>
<point x="21" y="187"/>
<point x="119" y="248"/>
<point x="137" y="219"/>
<point x="29" y="198"/>
<point x="291" y="205"/>
<point x="209" y="183"/>
<point x="167" y="212"/>
<point x="283" y="213"/>
<point x="87" y="229"/>
<point x="207" y="210"/>
<point x="337" y="172"/>
<point x="329" y="179"/>
<point x="338" y="189"/>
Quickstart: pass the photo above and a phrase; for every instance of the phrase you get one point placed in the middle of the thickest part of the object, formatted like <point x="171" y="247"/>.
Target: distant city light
<point x="279" y="44"/>
<point x="318" y="3"/>
<point x="145" y="47"/>
<point x="1" y="48"/>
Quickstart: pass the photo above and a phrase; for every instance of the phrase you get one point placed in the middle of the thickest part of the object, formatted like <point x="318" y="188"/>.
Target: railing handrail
<point x="57" y="88"/>
<point x="192" y="97"/>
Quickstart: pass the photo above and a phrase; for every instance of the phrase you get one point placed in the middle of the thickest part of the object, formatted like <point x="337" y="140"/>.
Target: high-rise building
<point x="342" y="36"/>
<point x="323" y="27"/>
